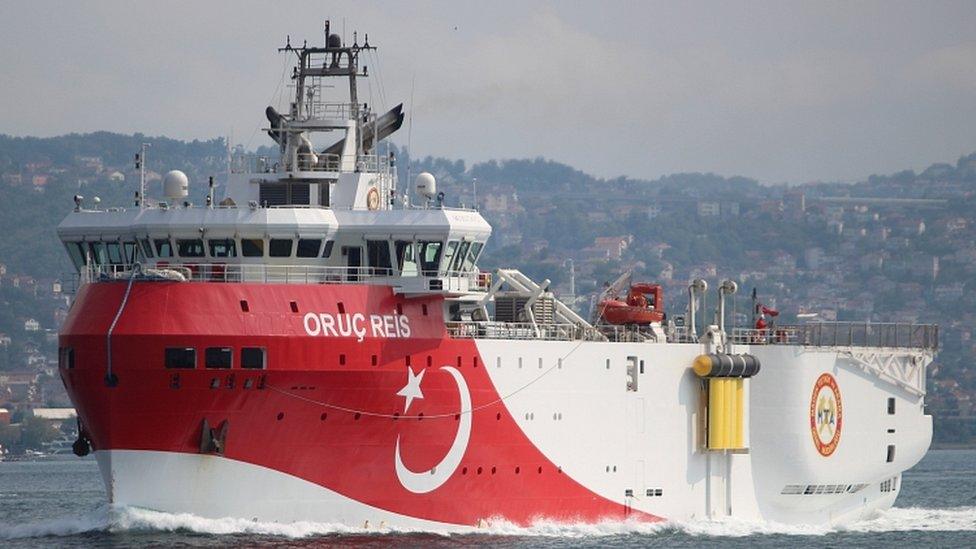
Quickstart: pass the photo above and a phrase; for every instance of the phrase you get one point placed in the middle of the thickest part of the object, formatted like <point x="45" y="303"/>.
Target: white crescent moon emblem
<point x="432" y="479"/>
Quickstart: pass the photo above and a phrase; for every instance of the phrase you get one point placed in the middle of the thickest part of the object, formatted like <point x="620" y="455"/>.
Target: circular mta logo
<point x="373" y="199"/>
<point x="826" y="414"/>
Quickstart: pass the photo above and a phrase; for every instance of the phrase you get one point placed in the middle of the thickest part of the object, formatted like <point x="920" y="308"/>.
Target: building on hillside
<point x="31" y="325"/>
<point x="709" y="209"/>
<point x="58" y="414"/>
<point x="614" y="246"/>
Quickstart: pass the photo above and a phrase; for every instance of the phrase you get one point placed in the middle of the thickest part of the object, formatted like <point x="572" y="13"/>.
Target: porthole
<point x="493" y="470"/>
<point x="323" y="416"/>
<point x="540" y="470"/>
<point x="479" y="470"/>
<point x="357" y="416"/>
<point x="518" y="470"/>
<point x="281" y="416"/>
<point x="498" y="416"/>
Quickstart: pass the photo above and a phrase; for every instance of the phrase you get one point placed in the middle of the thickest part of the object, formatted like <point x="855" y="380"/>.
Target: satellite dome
<point x="175" y="185"/>
<point x="334" y="41"/>
<point x="426" y="185"/>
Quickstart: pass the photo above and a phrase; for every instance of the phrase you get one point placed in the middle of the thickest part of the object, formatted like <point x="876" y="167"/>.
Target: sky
<point x="780" y="91"/>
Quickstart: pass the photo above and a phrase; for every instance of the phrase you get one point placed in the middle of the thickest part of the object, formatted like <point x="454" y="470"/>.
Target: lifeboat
<point x="644" y="305"/>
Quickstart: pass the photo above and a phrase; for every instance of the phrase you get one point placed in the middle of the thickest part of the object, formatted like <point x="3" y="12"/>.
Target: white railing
<point x="514" y="330"/>
<point x="307" y="162"/>
<point x="844" y="334"/>
<point x="297" y="274"/>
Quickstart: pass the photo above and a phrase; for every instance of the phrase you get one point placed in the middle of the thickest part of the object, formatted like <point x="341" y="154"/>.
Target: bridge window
<point x="406" y="258"/>
<point x="252" y="247"/>
<point x="430" y="257"/>
<point x="459" y="259"/>
<point x="114" y="253"/>
<point x="190" y="247"/>
<point x="146" y="247"/>
<point x="327" y="249"/>
<point x="77" y="252"/>
<point x="164" y="248"/>
<point x="891" y="406"/>
<point x="449" y="253"/>
<point x="129" y="251"/>
<point x="223" y="247"/>
<point x="378" y="257"/>
<point x="280" y="247"/>
<point x="218" y="357"/>
<point x="181" y="357"/>
<point x="472" y="257"/>
<point x="308" y="247"/>
<point x="97" y="253"/>
<point x="253" y="358"/>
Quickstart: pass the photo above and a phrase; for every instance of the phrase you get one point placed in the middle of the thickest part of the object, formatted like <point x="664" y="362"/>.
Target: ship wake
<point x="110" y="519"/>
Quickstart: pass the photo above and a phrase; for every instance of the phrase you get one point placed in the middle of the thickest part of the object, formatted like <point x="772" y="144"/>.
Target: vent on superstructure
<point x="821" y="489"/>
<point x="511" y="308"/>
<point x="282" y="194"/>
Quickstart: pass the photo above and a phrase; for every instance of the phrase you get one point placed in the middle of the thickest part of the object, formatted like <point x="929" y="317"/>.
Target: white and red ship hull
<point x="370" y="414"/>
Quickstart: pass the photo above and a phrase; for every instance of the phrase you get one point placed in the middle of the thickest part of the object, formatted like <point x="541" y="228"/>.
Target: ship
<point x="317" y="343"/>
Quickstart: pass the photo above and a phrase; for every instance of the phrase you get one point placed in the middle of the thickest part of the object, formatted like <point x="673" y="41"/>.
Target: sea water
<point x="62" y="503"/>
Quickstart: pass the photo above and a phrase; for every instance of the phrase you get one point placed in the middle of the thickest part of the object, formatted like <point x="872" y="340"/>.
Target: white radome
<point x="175" y="185"/>
<point x="426" y="185"/>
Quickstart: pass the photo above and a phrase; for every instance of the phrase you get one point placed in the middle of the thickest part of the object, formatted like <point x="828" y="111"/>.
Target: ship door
<point x="354" y="261"/>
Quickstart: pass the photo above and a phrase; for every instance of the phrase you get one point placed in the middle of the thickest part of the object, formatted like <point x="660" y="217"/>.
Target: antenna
<point x="413" y="86"/>
<point x="141" y="166"/>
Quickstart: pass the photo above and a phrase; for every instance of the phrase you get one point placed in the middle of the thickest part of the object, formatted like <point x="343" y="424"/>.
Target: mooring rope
<point x="110" y="378"/>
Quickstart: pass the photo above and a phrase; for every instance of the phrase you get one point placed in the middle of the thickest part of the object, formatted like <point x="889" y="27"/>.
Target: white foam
<point x="128" y="519"/>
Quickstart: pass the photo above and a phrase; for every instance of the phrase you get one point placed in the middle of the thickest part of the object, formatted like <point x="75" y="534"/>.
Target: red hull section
<point x="326" y="409"/>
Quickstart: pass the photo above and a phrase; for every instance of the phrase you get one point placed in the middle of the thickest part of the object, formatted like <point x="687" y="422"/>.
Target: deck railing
<point x="288" y="274"/>
<point x="844" y="334"/>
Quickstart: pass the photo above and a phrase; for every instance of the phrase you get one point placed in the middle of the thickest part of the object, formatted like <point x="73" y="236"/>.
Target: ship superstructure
<point x="317" y="344"/>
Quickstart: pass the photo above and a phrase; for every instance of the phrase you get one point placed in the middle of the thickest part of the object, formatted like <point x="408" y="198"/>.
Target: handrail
<point x="844" y="334"/>
<point x="473" y="281"/>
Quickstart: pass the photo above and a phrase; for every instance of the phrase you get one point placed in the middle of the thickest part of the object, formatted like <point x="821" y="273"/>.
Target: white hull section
<point x="573" y="401"/>
<point x="215" y="487"/>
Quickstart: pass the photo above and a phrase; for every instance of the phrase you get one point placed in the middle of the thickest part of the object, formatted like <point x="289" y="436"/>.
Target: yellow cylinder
<point x="729" y="413"/>
<point x="738" y="436"/>
<point x="702" y="365"/>
<point x="716" y="413"/>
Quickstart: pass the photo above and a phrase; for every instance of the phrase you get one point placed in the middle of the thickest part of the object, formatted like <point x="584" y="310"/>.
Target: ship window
<point x="190" y="247"/>
<point x="164" y="248"/>
<point x="406" y="258"/>
<point x="77" y="252"/>
<point x="891" y="405"/>
<point x="280" y="247"/>
<point x="98" y="254"/>
<point x="308" y="247"/>
<point x="378" y="256"/>
<point x="252" y="247"/>
<point x="146" y="247"/>
<point x="430" y="255"/>
<point x="253" y="358"/>
<point x="449" y="254"/>
<point x="114" y="253"/>
<point x="129" y="249"/>
<point x="223" y="247"/>
<point x="459" y="259"/>
<point x="891" y="453"/>
<point x="181" y="357"/>
<point x="66" y="358"/>
<point x="218" y="357"/>
<point x="472" y="257"/>
<point x="327" y="249"/>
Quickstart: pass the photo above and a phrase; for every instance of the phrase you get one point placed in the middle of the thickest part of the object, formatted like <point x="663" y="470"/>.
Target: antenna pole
<point x="141" y="164"/>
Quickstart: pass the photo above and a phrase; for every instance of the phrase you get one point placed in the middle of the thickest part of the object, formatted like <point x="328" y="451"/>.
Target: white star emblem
<point x="412" y="389"/>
